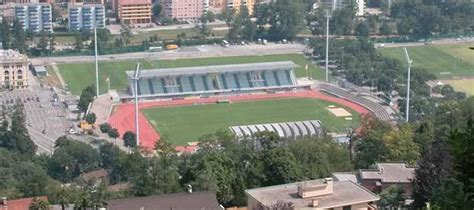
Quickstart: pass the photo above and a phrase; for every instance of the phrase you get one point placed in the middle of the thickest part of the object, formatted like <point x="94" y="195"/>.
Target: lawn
<point x="172" y="34"/>
<point x="444" y="61"/>
<point x="187" y="123"/>
<point x="79" y="75"/>
<point x="463" y="85"/>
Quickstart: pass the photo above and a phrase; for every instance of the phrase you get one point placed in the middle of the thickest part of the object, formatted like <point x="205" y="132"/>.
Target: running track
<point x="123" y="117"/>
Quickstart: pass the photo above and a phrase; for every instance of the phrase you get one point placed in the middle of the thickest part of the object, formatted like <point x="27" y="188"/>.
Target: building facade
<point x="86" y="17"/>
<point x="217" y="6"/>
<point x="184" y="10"/>
<point x="134" y="11"/>
<point x="338" y="4"/>
<point x="35" y="17"/>
<point x="13" y="70"/>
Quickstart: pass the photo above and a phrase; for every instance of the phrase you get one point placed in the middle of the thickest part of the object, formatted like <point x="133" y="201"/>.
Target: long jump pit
<point x="123" y="117"/>
<point x="339" y="111"/>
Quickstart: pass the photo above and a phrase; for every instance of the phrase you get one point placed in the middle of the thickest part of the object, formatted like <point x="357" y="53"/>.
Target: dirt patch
<point x="339" y="112"/>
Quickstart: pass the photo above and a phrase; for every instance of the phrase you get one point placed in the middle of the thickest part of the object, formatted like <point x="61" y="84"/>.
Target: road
<point x="185" y="52"/>
<point x="434" y="42"/>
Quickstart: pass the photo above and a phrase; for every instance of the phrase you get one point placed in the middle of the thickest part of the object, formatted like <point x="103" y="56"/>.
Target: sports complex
<point x="185" y="103"/>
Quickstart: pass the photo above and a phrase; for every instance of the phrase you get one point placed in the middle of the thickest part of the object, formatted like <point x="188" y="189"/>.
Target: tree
<point x="113" y="133"/>
<point x="39" y="204"/>
<point x="450" y="194"/>
<point x="79" y="42"/>
<point x="17" y="138"/>
<point x="125" y="33"/>
<point x="105" y="127"/>
<point x="157" y="10"/>
<point x="401" y="146"/>
<point x="90" y="118"/>
<point x="320" y="157"/>
<point x="110" y="155"/>
<point x="281" y="166"/>
<point x="433" y="167"/>
<point x="210" y="16"/>
<point x="87" y="96"/>
<point x="129" y="139"/>
<point x="71" y="158"/>
<point x="19" y="36"/>
<point x="391" y="197"/>
<point x="362" y="29"/>
<point x="385" y="29"/>
<point x="6" y="34"/>
<point x="286" y="19"/>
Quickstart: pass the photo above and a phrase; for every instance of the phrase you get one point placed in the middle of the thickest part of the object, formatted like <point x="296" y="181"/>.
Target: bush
<point x="105" y="127"/>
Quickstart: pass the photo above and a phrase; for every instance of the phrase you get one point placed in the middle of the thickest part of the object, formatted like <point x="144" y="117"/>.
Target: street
<point x="185" y="52"/>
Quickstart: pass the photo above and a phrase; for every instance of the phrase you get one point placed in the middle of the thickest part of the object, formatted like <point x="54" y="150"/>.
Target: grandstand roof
<point x="214" y="69"/>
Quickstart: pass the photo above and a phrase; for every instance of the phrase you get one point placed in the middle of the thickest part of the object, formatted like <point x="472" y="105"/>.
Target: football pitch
<point x="444" y="61"/>
<point x="80" y="75"/>
<point x="182" y="124"/>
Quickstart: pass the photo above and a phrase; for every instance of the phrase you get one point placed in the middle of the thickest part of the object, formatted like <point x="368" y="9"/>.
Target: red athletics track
<point x="123" y="117"/>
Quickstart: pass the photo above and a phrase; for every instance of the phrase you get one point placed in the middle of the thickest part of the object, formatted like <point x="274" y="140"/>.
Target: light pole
<point x="407" y="111"/>
<point x="136" y="78"/>
<point x="327" y="44"/>
<point x="96" y="64"/>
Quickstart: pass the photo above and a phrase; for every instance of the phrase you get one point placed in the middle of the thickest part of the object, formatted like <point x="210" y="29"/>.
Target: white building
<point x="86" y="17"/>
<point x="13" y="70"/>
<point x="338" y="4"/>
<point x="35" y="17"/>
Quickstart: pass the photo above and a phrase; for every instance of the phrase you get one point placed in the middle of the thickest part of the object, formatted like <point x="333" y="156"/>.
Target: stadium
<point x="185" y="103"/>
<point x="209" y="80"/>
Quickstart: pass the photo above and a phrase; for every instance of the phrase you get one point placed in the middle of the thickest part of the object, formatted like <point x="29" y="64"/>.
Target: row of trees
<point x="281" y="19"/>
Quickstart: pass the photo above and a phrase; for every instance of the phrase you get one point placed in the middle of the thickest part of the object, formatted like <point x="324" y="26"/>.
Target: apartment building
<point x="338" y="4"/>
<point x="217" y="6"/>
<point x="13" y="70"/>
<point x="184" y="10"/>
<point x="86" y="17"/>
<point x="133" y="11"/>
<point x="321" y="194"/>
<point x="382" y="176"/>
<point x="35" y="17"/>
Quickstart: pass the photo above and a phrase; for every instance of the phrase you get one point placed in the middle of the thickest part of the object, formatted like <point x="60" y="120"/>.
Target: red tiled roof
<point x="20" y="204"/>
<point x="127" y="2"/>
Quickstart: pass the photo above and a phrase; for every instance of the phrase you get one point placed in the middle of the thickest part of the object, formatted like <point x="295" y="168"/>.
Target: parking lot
<point x="46" y="119"/>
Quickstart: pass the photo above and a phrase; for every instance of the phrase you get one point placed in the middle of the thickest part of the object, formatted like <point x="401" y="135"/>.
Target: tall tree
<point x="6" y="34"/>
<point x="125" y="33"/>
<point x="19" y="36"/>
<point x="87" y="96"/>
<point x="281" y="165"/>
<point x="286" y="19"/>
<point x="433" y="167"/>
<point x="129" y="139"/>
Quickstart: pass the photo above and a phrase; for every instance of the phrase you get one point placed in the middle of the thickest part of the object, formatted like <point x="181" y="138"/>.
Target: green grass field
<point x="463" y="85"/>
<point x="444" y="61"/>
<point x="80" y="75"/>
<point x="187" y="123"/>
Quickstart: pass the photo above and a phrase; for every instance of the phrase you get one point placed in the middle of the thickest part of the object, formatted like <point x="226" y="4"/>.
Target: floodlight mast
<point x="409" y="62"/>
<point x="327" y="44"/>
<point x="136" y="77"/>
<point x="96" y="64"/>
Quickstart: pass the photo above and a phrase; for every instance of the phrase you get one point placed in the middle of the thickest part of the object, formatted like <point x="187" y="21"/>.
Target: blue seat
<point x="157" y="86"/>
<point x="186" y="84"/>
<point x="243" y="80"/>
<point x="270" y="78"/>
<point x="199" y="83"/>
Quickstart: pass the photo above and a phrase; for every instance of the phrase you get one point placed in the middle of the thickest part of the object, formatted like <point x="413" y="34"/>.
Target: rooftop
<point x="346" y="176"/>
<point x="19" y="204"/>
<point x="215" y="69"/>
<point x="389" y="172"/>
<point x="11" y="56"/>
<point x="344" y="193"/>
<point x="178" y="201"/>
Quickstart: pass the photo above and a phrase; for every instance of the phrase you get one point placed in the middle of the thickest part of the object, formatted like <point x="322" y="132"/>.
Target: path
<point x="123" y="118"/>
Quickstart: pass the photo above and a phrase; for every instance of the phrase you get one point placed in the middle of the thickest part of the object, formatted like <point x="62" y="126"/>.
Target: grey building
<point x="86" y="17"/>
<point x="35" y="17"/>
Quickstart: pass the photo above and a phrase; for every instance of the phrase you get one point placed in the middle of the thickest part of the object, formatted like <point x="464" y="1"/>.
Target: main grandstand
<point x="209" y="80"/>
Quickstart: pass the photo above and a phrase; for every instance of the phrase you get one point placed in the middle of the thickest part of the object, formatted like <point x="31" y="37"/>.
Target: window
<point x="347" y="208"/>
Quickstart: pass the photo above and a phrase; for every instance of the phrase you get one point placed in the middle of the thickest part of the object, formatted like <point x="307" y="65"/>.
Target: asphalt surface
<point x="42" y="114"/>
<point x="185" y="52"/>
